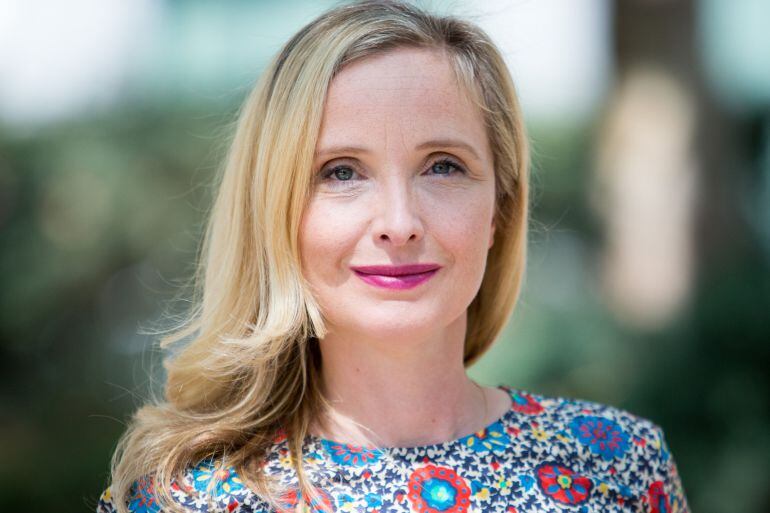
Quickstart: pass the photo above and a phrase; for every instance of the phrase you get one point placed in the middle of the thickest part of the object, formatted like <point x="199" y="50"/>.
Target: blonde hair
<point x="251" y="367"/>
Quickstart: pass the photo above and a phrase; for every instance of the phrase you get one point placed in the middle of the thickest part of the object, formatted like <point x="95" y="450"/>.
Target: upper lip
<point x="395" y="270"/>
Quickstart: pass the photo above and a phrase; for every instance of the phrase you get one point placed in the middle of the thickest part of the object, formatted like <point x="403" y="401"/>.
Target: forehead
<point x="406" y="93"/>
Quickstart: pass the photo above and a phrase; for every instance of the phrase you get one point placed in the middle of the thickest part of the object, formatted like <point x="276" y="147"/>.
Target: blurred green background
<point x="648" y="284"/>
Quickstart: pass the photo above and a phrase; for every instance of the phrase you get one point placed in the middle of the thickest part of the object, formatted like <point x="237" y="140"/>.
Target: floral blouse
<point x="545" y="454"/>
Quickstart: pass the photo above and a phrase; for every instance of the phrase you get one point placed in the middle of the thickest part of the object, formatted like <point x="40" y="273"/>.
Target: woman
<point x="366" y="245"/>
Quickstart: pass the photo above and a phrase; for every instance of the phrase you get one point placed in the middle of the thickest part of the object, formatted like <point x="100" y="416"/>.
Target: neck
<point x="398" y="393"/>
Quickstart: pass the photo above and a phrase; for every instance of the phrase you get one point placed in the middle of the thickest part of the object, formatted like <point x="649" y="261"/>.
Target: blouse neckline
<point x="502" y="419"/>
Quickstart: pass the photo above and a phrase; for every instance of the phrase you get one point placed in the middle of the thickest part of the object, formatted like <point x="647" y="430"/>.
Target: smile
<point x="403" y="281"/>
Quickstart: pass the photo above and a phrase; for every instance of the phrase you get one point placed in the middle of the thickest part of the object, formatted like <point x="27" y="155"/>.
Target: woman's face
<point x="404" y="175"/>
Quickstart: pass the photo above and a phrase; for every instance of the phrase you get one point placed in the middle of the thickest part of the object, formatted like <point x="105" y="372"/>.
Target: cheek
<point x="461" y="222"/>
<point x="326" y="232"/>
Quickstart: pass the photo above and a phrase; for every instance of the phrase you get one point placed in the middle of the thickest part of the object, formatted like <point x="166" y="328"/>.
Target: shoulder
<point x="205" y="487"/>
<point x="579" y="416"/>
<point x="616" y="449"/>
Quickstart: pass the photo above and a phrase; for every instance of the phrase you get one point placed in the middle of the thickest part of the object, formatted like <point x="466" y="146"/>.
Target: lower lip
<point x="406" y="281"/>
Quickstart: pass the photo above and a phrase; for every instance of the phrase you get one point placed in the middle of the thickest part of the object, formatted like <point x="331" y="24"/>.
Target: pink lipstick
<point x="396" y="276"/>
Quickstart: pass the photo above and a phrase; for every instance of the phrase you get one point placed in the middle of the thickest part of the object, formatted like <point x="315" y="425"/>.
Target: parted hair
<point x="243" y="368"/>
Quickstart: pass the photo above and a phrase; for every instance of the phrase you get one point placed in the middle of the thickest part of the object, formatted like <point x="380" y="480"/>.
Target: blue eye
<point x="342" y="173"/>
<point x="445" y="166"/>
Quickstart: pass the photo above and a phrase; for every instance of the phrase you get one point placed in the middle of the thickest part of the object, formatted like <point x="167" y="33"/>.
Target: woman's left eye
<point x="446" y="166"/>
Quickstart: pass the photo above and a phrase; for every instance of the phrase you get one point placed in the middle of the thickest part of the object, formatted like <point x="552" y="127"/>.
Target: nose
<point x="398" y="214"/>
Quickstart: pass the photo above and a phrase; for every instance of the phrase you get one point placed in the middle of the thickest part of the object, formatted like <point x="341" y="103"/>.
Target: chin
<point x="397" y="323"/>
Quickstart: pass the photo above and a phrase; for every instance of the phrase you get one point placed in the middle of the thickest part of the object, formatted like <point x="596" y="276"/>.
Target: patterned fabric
<point x="545" y="454"/>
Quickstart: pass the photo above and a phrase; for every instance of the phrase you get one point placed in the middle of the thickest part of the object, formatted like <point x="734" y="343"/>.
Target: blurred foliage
<point x="100" y="225"/>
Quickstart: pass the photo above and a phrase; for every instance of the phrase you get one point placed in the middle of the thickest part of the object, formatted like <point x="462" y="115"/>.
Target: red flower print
<point x="289" y="500"/>
<point x="525" y="403"/>
<point x="435" y="489"/>
<point x="658" y="498"/>
<point x="563" y="485"/>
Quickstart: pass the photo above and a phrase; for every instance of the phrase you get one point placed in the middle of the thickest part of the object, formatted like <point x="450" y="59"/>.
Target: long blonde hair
<point x="251" y="367"/>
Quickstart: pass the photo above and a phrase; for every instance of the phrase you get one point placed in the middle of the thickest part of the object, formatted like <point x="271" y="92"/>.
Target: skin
<point x="392" y="359"/>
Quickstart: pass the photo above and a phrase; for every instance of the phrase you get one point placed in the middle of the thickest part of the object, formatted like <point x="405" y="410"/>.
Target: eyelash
<point x="328" y="173"/>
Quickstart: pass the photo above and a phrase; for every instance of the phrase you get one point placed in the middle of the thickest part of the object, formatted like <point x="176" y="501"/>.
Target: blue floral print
<point x="545" y="454"/>
<point x="491" y="438"/>
<point x="225" y="481"/>
<point x="603" y="436"/>
<point x="346" y="454"/>
<point x="143" y="500"/>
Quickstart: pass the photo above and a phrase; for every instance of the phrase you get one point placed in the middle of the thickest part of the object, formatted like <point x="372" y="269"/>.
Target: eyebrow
<point x="433" y="143"/>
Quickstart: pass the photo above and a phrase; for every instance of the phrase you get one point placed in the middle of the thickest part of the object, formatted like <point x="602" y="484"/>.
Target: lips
<point x="395" y="270"/>
<point x="398" y="277"/>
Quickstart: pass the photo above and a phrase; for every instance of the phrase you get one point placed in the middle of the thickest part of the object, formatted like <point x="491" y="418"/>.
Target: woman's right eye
<point x="340" y="173"/>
